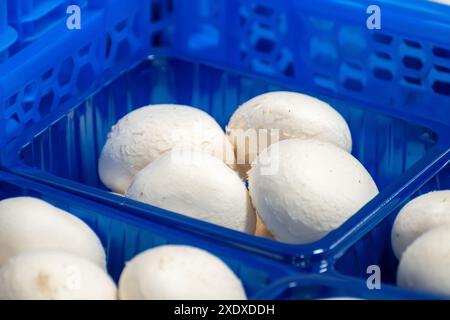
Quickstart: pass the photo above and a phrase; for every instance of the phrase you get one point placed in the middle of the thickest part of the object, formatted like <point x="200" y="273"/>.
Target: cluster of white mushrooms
<point x="48" y="254"/>
<point x="421" y="240"/>
<point x="293" y="149"/>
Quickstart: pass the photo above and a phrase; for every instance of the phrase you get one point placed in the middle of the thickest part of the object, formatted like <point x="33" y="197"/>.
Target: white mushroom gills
<point x="420" y="215"/>
<point x="179" y="273"/>
<point x="146" y="133"/>
<point x="28" y="224"/>
<point x="294" y="115"/>
<point x="197" y="185"/>
<point x="54" y="275"/>
<point x="303" y="189"/>
<point x="424" y="265"/>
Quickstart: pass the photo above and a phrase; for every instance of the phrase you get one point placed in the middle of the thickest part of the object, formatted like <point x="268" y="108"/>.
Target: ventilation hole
<point x="442" y="87"/>
<point x="383" y="55"/>
<point x="27" y="106"/>
<point x="45" y="104"/>
<point x="156" y="12"/>
<point x="15" y="117"/>
<point x="383" y="74"/>
<point x="65" y="73"/>
<point x="86" y="77"/>
<point x="442" y="68"/>
<point x="13" y="99"/>
<point x="47" y="75"/>
<point x="157" y="39"/>
<point x="263" y="11"/>
<point x="264" y="45"/>
<point x="121" y="25"/>
<point x="84" y="51"/>
<point x="353" y="84"/>
<point x="382" y="38"/>
<point x="412" y="63"/>
<point x="413" y="80"/>
<point x="441" y="52"/>
<point x="108" y="46"/>
<point x="412" y="44"/>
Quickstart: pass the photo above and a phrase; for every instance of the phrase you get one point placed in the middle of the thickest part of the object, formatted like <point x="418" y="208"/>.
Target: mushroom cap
<point x="197" y="185"/>
<point x="425" y="264"/>
<point x="54" y="275"/>
<point x="146" y="133"/>
<point x="295" y="115"/>
<point x="418" y="216"/>
<point x="179" y="273"/>
<point x="303" y="189"/>
<point x="29" y="224"/>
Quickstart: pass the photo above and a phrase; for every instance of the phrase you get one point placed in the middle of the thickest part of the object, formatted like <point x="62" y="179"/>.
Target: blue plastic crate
<point x="370" y="243"/>
<point x="319" y="287"/>
<point x="61" y="94"/>
<point x="325" y="45"/>
<point x="123" y="236"/>
<point x="8" y="35"/>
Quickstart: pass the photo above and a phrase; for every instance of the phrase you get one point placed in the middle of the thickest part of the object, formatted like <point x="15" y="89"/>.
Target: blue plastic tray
<point x="373" y="246"/>
<point x="123" y="236"/>
<point x="64" y="149"/>
<point x="7" y="34"/>
<point x="318" y="287"/>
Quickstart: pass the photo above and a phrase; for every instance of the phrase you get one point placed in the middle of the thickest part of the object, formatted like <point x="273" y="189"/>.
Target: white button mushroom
<point x="420" y="215"/>
<point x="197" y="185"/>
<point x="148" y="132"/>
<point x="179" y="273"/>
<point x="54" y="275"/>
<point x="425" y="264"/>
<point x="29" y="224"/>
<point x="303" y="189"/>
<point x="295" y="115"/>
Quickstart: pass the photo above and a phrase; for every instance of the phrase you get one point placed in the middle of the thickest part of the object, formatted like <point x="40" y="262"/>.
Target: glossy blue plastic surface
<point x="123" y="236"/>
<point x="32" y="19"/>
<point x="373" y="247"/>
<point x="8" y="35"/>
<point x="331" y="287"/>
<point x="60" y="95"/>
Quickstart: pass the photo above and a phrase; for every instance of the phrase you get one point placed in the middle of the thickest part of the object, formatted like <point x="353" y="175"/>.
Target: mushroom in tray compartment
<point x="425" y="264"/>
<point x="418" y="216"/>
<point x="197" y="185"/>
<point x="303" y="189"/>
<point x="54" y="275"/>
<point x="280" y="115"/>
